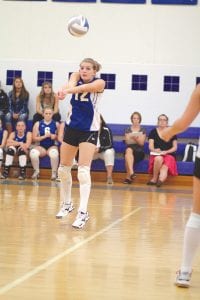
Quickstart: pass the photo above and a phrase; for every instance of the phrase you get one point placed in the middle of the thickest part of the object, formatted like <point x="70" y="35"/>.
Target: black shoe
<point x="22" y="174"/>
<point x="151" y="183"/>
<point x="127" y="181"/>
<point x="4" y="175"/>
<point x="159" y="183"/>
<point x="132" y="176"/>
<point x="5" y="172"/>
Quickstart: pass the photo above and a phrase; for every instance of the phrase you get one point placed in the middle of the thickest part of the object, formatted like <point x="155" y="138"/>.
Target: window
<point x="197" y="80"/>
<point x="171" y="84"/>
<point x="11" y="74"/>
<point x="25" y="0"/>
<point x="110" y="80"/>
<point x="139" y="82"/>
<point x="44" y="76"/>
<point x="74" y="1"/>
<point x="186" y="2"/>
<point x="125" y="1"/>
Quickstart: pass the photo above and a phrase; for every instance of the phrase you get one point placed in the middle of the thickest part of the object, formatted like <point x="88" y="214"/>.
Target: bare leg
<point x="129" y="162"/>
<point x="67" y="154"/>
<point x="163" y="173"/>
<point x="109" y="171"/>
<point x="158" y="161"/>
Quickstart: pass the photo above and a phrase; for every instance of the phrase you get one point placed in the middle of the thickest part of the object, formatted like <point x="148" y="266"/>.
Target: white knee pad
<point x="109" y="157"/>
<point x="64" y="173"/>
<point x="1" y="153"/>
<point x="53" y="153"/>
<point x="34" y="153"/>
<point x="84" y="175"/>
<point x="194" y="221"/>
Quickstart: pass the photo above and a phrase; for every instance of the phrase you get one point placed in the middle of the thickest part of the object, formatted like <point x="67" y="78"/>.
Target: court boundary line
<point x="70" y="250"/>
<point x="142" y="188"/>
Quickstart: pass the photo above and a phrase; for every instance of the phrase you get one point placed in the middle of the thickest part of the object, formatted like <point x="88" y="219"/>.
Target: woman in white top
<point x="46" y="98"/>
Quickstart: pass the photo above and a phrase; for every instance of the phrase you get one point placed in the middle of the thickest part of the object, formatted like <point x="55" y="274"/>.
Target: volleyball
<point x="78" y="26"/>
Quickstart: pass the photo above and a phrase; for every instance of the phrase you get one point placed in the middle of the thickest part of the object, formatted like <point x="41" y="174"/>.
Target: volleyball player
<point x="45" y="137"/>
<point x="18" y="143"/>
<point x="3" y="139"/>
<point x="192" y="228"/>
<point x="81" y="133"/>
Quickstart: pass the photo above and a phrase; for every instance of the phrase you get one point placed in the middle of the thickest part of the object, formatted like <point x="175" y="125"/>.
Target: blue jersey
<point x="1" y="134"/>
<point x="20" y="138"/>
<point x="83" y="113"/>
<point x="52" y="128"/>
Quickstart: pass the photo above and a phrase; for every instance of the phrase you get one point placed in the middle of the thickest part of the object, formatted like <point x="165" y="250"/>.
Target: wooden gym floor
<point x="129" y="249"/>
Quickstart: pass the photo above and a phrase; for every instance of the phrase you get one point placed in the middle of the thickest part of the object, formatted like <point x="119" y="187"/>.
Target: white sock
<point x="9" y="160"/>
<point x="85" y="187"/>
<point x="65" y="176"/>
<point x="22" y="160"/>
<point x="191" y="242"/>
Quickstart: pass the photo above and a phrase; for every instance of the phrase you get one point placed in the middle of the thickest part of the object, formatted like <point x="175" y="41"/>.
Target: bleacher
<point x="184" y="168"/>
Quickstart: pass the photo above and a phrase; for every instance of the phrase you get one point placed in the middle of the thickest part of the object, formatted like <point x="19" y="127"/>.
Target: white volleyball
<point x="78" y="26"/>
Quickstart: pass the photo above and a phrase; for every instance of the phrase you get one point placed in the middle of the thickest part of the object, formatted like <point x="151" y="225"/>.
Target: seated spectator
<point x="46" y="98"/>
<point x="135" y="137"/>
<point x="105" y="150"/>
<point x="18" y="104"/>
<point x="45" y="137"/>
<point x="162" y="161"/>
<point x="18" y="143"/>
<point x="3" y="139"/>
<point x="4" y="105"/>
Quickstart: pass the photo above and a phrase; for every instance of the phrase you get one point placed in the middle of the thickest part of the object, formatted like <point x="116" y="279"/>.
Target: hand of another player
<point x="165" y="135"/>
<point x="62" y="93"/>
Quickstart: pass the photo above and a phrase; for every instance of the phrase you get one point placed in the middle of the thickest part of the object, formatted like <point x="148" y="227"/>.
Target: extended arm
<point x="190" y="113"/>
<point x="91" y="87"/>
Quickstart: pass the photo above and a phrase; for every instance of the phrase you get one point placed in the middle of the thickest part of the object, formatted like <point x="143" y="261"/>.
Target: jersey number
<point x="81" y="97"/>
